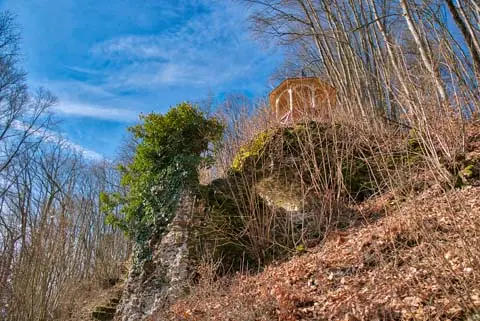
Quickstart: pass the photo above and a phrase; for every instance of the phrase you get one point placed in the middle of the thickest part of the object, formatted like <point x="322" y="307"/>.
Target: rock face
<point x="164" y="278"/>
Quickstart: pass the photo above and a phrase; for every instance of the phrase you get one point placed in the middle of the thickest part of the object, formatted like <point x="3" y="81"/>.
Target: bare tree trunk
<point x="463" y="24"/>
<point x="423" y="50"/>
<point x="393" y="61"/>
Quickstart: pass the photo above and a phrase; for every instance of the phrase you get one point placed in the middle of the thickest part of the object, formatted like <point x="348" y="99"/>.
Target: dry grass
<point x="419" y="262"/>
<point x="409" y="255"/>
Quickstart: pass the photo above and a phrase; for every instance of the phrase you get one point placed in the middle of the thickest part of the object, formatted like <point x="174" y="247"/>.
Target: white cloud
<point x="72" y="101"/>
<point x="86" y="71"/>
<point x="204" y="51"/>
<point x="146" y="47"/>
<point x="56" y="138"/>
<point x="85" y="152"/>
<point x="95" y="111"/>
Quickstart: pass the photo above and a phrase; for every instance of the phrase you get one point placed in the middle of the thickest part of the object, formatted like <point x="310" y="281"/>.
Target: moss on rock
<point x="251" y="150"/>
<point x="307" y="153"/>
<point x="276" y="179"/>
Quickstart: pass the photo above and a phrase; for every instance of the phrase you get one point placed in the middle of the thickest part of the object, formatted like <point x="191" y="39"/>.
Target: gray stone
<point x="166" y="279"/>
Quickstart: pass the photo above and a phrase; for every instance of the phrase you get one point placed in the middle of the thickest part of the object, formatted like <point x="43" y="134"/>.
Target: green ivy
<point x="170" y="151"/>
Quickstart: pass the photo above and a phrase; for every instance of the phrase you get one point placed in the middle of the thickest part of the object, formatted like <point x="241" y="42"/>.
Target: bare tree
<point x="59" y="238"/>
<point x="53" y="238"/>
<point x="467" y="27"/>
<point x="23" y="117"/>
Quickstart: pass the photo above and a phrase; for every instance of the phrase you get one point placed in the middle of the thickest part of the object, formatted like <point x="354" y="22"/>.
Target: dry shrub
<point x="288" y="186"/>
<point x="418" y="263"/>
<point x="408" y="95"/>
<point x="401" y="163"/>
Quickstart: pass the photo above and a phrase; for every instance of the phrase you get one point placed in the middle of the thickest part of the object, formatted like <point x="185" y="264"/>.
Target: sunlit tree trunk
<point x="423" y="50"/>
<point x="468" y="33"/>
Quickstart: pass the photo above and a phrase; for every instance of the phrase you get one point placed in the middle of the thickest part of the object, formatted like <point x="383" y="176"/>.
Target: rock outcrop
<point x="164" y="278"/>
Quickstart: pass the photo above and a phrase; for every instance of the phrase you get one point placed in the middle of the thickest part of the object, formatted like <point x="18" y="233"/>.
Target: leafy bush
<point x="170" y="150"/>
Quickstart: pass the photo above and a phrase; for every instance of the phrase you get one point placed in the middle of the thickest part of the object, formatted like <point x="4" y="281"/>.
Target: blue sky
<point x="109" y="60"/>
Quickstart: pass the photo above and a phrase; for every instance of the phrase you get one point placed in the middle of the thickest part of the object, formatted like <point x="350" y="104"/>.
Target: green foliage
<point x="467" y="172"/>
<point x="171" y="148"/>
<point x="108" y="205"/>
<point x="252" y="149"/>
<point x="300" y="248"/>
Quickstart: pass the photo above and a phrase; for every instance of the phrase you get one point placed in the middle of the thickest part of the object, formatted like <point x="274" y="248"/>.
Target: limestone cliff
<point x="164" y="278"/>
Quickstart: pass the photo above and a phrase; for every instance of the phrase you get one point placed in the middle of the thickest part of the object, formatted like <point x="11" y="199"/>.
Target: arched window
<point x="299" y="98"/>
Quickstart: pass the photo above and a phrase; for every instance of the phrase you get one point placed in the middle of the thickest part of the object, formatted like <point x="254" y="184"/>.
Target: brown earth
<point x="418" y="261"/>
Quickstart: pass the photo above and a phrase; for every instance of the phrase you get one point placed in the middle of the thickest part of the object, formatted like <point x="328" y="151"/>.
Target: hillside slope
<point x="419" y="261"/>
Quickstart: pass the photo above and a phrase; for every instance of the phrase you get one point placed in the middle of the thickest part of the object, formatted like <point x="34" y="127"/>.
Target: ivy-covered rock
<point x="166" y="276"/>
<point x="171" y="148"/>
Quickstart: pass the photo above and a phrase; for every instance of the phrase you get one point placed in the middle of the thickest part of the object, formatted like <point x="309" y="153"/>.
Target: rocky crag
<point x="164" y="278"/>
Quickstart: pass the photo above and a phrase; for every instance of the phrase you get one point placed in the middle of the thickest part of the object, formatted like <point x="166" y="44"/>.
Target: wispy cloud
<point x="204" y="51"/>
<point x="203" y="47"/>
<point x="84" y="99"/>
<point x="146" y="47"/>
<point x="56" y="138"/>
<point x="111" y="60"/>
<point x="95" y="111"/>
<point x="81" y="70"/>
<point x="86" y="153"/>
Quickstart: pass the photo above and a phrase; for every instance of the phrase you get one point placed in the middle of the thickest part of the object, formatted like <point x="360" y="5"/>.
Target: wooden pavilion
<point x="299" y="98"/>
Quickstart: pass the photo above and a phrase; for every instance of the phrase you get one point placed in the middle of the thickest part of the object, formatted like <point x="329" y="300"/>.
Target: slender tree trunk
<point x="463" y="24"/>
<point x="422" y="48"/>
<point x="405" y="103"/>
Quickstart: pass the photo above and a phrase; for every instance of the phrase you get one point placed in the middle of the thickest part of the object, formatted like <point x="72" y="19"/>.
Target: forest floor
<point x="417" y="260"/>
